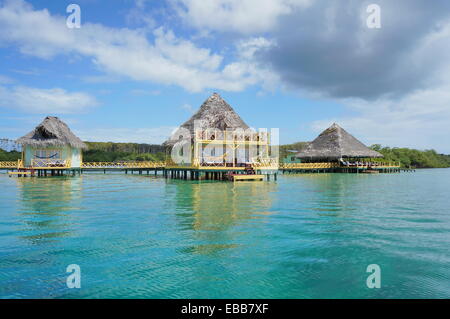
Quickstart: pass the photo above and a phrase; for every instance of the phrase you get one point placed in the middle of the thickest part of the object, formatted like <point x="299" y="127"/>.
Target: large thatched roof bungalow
<point x="333" y="144"/>
<point x="216" y="113"/>
<point x="51" y="144"/>
<point x="214" y="117"/>
<point x="219" y="138"/>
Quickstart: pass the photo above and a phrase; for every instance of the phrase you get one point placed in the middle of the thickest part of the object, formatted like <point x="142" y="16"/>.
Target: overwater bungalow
<point x="337" y="150"/>
<point x="215" y="143"/>
<point x="334" y="144"/>
<point x="51" y="146"/>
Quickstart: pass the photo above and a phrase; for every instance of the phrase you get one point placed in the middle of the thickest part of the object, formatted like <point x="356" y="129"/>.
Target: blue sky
<point x="135" y="70"/>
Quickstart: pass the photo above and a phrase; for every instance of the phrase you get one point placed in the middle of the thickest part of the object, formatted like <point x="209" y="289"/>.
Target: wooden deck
<point x="162" y="165"/>
<point x="198" y="171"/>
<point x="8" y="165"/>
<point x="250" y="177"/>
<point x="315" y="166"/>
<point x="20" y="174"/>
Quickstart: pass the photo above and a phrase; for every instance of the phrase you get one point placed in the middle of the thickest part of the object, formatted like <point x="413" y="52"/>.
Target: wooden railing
<point x="217" y="162"/>
<point x="50" y="163"/>
<point x="260" y="164"/>
<point x="238" y="136"/>
<point x="336" y="165"/>
<point x="308" y="165"/>
<point x="8" y="164"/>
<point x="122" y="165"/>
<point x="267" y="163"/>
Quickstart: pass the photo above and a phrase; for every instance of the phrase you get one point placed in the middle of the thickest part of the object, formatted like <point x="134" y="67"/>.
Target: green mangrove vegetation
<point x="413" y="158"/>
<point x="112" y="152"/>
<point x="9" y="156"/>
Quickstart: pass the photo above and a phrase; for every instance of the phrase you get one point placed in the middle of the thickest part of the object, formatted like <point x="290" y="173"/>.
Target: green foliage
<point x="113" y="152"/>
<point x="9" y="156"/>
<point x="290" y="147"/>
<point x="413" y="158"/>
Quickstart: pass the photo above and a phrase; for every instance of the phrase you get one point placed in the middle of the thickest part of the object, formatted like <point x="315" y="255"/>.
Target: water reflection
<point x="330" y="194"/>
<point x="217" y="213"/>
<point x="45" y="205"/>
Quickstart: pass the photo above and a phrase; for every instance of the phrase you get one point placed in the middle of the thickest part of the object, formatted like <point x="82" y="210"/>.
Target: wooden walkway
<point x="250" y="177"/>
<point x="204" y="171"/>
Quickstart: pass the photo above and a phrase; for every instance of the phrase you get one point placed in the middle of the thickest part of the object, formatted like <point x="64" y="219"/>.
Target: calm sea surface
<point x="304" y="236"/>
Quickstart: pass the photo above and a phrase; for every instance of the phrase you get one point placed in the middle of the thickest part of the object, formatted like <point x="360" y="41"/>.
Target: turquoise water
<point x="304" y="236"/>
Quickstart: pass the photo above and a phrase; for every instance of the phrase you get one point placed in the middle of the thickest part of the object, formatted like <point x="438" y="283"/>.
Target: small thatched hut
<point x="335" y="143"/>
<point x="51" y="144"/>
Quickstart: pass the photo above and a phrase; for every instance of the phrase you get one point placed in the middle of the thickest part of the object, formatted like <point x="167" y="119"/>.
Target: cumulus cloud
<point x="420" y="120"/>
<point x="325" y="48"/>
<point x="328" y="48"/>
<point x="167" y="60"/>
<point x="55" y="101"/>
<point x="395" y="78"/>
<point x="239" y="16"/>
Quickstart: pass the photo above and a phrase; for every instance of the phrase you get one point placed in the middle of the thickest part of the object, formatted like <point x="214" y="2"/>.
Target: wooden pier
<point x="242" y="177"/>
<point x="335" y="167"/>
<point x="201" y="172"/>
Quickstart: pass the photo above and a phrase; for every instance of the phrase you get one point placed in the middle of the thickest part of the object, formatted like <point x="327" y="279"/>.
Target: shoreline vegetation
<point x="113" y="152"/>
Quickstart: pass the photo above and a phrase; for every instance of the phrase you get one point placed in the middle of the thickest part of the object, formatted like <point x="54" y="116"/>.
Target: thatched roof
<point x="215" y="112"/>
<point x="335" y="143"/>
<point x="51" y="132"/>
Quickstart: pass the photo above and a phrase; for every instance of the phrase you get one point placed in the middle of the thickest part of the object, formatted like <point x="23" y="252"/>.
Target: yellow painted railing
<point x="212" y="136"/>
<point x="308" y="165"/>
<point x="260" y="164"/>
<point x="335" y="165"/>
<point x="8" y="164"/>
<point x="266" y="163"/>
<point x="49" y="163"/>
<point x="124" y="165"/>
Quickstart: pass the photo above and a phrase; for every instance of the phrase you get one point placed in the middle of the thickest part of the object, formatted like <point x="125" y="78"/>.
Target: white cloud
<point x="155" y="135"/>
<point x="418" y="120"/>
<point x="138" y="15"/>
<point x="168" y="60"/>
<point x="141" y="92"/>
<point x="241" y="16"/>
<point x="5" y="79"/>
<point x="188" y="107"/>
<point x="246" y="50"/>
<point x="54" y="101"/>
<point x="249" y="47"/>
<point x="106" y="78"/>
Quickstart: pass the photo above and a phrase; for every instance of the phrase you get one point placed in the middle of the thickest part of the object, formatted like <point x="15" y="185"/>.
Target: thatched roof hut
<point x="50" y="133"/>
<point x="336" y="143"/>
<point x="215" y="112"/>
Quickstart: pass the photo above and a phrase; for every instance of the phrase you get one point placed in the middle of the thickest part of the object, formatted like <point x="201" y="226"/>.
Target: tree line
<point x="113" y="152"/>
<point x="413" y="158"/>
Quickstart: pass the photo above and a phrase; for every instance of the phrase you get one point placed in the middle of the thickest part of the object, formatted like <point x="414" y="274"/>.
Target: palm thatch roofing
<point x="215" y="112"/>
<point x="51" y="132"/>
<point x="335" y="143"/>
